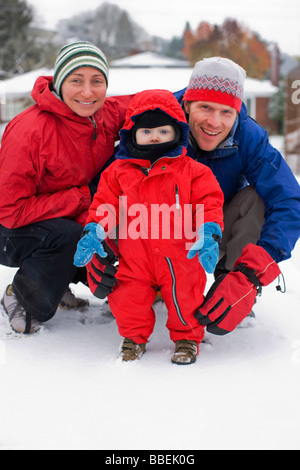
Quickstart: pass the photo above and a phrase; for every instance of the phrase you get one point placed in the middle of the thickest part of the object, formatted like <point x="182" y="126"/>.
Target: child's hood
<point x="151" y="100"/>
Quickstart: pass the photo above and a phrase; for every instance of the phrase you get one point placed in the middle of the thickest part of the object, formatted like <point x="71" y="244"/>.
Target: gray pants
<point x="243" y="221"/>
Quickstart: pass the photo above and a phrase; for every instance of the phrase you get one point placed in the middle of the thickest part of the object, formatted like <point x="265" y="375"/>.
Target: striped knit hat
<point x="218" y="80"/>
<point x="74" y="56"/>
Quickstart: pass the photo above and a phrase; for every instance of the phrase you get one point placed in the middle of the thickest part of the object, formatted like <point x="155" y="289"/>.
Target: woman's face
<point x="84" y="91"/>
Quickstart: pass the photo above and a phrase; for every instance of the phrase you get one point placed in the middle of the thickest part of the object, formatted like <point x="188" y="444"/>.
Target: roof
<point x="259" y="88"/>
<point x="149" y="59"/>
<point x="132" y="80"/>
<point x="21" y="85"/>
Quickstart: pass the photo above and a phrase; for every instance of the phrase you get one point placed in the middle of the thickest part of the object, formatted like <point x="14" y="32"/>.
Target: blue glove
<point x="90" y="243"/>
<point x="208" y="246"/>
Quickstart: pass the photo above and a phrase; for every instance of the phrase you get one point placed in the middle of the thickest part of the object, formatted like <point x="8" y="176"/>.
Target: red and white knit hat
<point x="218" y="80"/>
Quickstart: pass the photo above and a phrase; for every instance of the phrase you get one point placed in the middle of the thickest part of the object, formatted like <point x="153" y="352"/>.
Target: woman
<point x="50" y="157"/>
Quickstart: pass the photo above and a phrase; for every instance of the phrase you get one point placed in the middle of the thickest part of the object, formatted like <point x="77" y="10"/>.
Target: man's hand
<point x="232" y="296"/>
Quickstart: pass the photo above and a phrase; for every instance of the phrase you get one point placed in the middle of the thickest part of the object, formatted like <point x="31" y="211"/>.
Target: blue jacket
<point x="247" y="157"/>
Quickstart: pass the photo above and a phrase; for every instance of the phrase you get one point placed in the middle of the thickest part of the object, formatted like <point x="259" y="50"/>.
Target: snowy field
<point x="65" y="388"/>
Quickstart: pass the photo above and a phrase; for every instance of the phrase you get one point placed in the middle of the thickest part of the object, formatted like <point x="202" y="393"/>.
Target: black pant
<point x="44" y="253"/>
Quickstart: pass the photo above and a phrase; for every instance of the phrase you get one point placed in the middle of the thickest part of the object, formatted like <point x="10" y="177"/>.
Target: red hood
<point x="150" y="100"/>
<point x="48" y="101"/>
<point x="45" y="98"/>
<point x="154" y="99"/>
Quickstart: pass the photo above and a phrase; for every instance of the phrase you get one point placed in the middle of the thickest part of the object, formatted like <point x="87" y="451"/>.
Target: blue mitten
<point x="90" y="243"/>
<point x="207" y="246"/>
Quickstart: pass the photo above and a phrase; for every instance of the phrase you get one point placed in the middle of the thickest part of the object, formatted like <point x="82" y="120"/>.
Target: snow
<point x="149" y="59"/>
<point x="21" y="85"/>
<point x="254" y="87"/>
<point x="65" y="388"/>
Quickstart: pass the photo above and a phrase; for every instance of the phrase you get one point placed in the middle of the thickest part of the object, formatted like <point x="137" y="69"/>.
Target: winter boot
<point x="19" y="320"/>
<point x="130" y="351"/>
<point x="185" y="352"/>
<point x="69" y="301"/>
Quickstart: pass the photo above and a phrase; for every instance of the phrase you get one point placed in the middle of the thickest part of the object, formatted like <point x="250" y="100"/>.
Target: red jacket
<point x="172" y="179"/>
<point x="49" y="156"/>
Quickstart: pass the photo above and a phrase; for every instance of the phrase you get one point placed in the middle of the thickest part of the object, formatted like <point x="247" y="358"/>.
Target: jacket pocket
<point x="34" y="231"/>
<point x="174" y="292"/>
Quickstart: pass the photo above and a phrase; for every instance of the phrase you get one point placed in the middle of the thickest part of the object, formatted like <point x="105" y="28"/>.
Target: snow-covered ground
<point x="65" y="388"/>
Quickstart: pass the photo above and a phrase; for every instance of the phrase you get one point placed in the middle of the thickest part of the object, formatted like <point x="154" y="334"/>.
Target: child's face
<point x="157" y="135"/>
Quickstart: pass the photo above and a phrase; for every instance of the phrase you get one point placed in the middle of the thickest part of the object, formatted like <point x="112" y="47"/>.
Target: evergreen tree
<point x="15" y="18"/>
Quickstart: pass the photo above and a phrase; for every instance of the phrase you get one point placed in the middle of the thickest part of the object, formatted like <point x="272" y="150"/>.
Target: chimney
<point x="275" y="65"/>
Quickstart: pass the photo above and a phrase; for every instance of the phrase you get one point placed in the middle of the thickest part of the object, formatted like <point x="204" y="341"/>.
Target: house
<point x="257" y="97"/>
<point x="147" y="70"/>
<point x="15" y="93"/>
<point x="152" y="70"/>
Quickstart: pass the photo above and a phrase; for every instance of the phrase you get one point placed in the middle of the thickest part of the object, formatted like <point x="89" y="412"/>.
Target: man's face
<point x="210" y="123"/>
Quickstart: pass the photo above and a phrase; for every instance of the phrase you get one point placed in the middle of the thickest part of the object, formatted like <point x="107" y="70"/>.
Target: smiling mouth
<point x="212" y="134"/>
<point x="86" y="103"/>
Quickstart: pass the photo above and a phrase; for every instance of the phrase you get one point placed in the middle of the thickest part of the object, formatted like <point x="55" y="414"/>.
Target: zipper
<point x="146" y="170"/>
<point x="5" y="245"/>
<point x="178" y="207"/>
<point x="95" y="128"/>
<point x="174" y="293"/>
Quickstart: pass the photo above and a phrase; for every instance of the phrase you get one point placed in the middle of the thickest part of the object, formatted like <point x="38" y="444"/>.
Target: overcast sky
<point x="274" y="20"/>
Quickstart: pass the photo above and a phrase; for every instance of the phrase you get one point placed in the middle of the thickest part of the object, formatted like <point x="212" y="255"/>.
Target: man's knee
<point x="63" y="233"/>
<point x="249" y="202"/>
<point x="243" y="221"/>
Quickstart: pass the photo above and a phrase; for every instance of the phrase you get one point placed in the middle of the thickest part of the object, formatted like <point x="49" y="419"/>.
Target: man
<point x="262" y="210"/>
<point x="238" y="151"/>
<point x="262" y="197"/>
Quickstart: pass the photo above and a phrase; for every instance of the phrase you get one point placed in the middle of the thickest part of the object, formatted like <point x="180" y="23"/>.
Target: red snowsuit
<point x="49" y="155"/>
<point x="147" y="262"/>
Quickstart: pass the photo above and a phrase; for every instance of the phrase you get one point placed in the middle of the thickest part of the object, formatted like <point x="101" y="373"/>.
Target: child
<point x="152" y="170"/>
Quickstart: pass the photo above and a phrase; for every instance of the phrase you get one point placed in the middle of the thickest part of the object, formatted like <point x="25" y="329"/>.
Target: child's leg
<point x="131" y="304"/>
<point x="182" y="291"/>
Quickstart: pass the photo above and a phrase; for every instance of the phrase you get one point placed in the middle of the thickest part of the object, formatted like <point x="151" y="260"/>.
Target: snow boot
<point x="69" y="302"/>
<point x="20" y="321"/>
<point x="185" y="352"/>
<point x="131" y="351"/>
